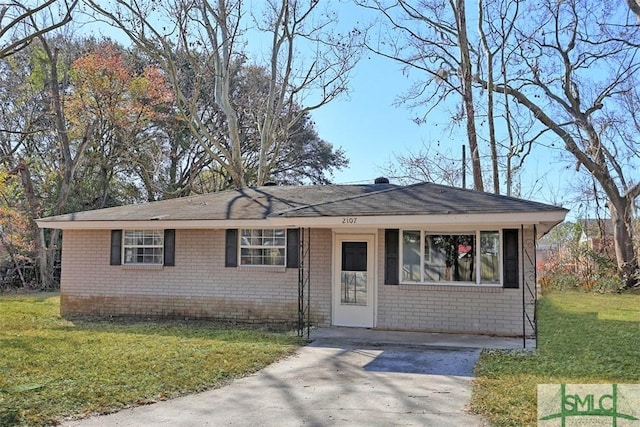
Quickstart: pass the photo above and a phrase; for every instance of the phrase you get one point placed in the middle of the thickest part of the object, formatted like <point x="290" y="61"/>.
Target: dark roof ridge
<point x="494" y="195"/>
<point x="388" y="188"/>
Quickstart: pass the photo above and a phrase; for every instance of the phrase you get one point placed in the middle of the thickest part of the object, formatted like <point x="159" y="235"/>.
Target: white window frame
<point x="135" y="246"/>
<point x="477" y="255"/>
<point x="242" y="246"/>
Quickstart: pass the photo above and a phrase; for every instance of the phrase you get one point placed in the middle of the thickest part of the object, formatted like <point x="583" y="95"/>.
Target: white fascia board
<point x="153" y="224"/>
<point x="442" y="222"/>
<point x="503" y="220"/>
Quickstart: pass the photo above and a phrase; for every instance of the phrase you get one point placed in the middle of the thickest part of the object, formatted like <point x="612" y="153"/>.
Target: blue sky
<point x="366" y="124"/>
<point x="372" y="130"/>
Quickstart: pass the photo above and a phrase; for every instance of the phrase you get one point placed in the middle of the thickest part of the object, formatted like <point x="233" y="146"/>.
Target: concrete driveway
<point x="344" y="377"/>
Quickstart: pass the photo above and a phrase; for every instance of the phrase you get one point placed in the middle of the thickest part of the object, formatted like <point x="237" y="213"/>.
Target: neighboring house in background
<point x="422" y="257"/>
<point x="597" y="234"/>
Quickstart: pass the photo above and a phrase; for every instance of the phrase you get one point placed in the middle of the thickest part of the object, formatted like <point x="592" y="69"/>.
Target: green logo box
<point x="568" y="405"/>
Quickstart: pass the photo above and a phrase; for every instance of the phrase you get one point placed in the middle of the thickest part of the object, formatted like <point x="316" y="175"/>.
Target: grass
<point x="51" y="368"/>
<point x="582" y="339"/>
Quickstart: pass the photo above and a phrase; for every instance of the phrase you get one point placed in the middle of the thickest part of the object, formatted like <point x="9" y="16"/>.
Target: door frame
<point x="371" y="237"/>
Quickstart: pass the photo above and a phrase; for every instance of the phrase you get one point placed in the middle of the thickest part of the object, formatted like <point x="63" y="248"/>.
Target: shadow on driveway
<point x="431" y="361"/>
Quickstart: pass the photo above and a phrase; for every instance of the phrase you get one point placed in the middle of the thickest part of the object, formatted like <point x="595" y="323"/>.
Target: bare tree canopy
<point x="431" y="37"/>
<point x="22" y="22"/>
<point x="307" y="59"/>
<point x="578" y="77"/>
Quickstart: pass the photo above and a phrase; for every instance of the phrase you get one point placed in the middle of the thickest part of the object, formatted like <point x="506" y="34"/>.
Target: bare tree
<point x="578" y="63"/>
<point x="431" y="37"/>
<point x="425" y="165"/>
<point x="21" y="23"/>
<point x="305" y="57"/>
<point x="70" y="152"/>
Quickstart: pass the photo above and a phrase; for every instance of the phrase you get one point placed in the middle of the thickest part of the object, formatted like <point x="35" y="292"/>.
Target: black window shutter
<point x="169" y="248"/>
<point x="293" y="248"/>
<point x="391" y="256"/>
<point x="116" y="247"/>
<point x="231" y="248"/>
<point x="510" y="258"/>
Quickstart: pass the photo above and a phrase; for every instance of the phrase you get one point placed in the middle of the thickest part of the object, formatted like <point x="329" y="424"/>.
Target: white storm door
<point x="354" y="281"/>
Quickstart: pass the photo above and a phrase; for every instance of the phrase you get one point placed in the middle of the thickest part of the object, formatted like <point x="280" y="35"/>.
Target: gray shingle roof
<point x="316" y="200"/>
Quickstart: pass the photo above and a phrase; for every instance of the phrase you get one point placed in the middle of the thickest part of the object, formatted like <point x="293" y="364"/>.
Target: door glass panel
<point x="353" y="281"/>
<point x="354" y="256"/>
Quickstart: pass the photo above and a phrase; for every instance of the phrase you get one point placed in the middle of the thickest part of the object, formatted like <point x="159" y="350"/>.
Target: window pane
<point x="128" y="255"/>
<point x="262" y="247"/>
<point x="274" y="256"/>
<point x="158" y="238"/>
<point x="451" y="258"/>
<point x="280" y="237"/>
<point x="490" y="257"/>
<point x="267" y="233"/>
<point x="143" y="247"/>
<point x="411" y="256"/>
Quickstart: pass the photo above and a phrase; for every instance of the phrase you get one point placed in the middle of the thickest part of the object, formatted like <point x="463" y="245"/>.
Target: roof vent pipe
<point x="381" y="180"/>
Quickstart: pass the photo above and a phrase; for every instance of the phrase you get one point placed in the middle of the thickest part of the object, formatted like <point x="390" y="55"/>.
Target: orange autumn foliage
<point x="109" y="97"/>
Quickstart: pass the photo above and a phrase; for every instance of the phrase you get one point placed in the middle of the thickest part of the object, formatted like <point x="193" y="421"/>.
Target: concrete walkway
<point x="369" y="337"/>
<point x="345" y="377"/>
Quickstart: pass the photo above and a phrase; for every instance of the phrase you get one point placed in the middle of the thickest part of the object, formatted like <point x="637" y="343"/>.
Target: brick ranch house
<point x="422" y="257"/>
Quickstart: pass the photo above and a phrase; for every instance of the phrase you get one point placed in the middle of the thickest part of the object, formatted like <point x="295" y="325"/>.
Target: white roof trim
<point x="444" y="221"/>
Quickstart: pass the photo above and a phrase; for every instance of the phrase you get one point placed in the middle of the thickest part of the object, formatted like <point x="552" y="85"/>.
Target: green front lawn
<point x="51" y="368"/>
<point x="583" y="339"/>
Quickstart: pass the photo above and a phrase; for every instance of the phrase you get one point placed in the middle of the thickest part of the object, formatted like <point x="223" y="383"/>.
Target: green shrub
<point x="579" y="269"/>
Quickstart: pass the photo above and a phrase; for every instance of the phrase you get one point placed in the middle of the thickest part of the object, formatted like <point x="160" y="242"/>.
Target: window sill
<point x="450" y="286"/>
<point x="262" y="268"/>
<point x="142" y="266"/>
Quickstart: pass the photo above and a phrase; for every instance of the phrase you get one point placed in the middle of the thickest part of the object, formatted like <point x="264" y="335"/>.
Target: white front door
<point x="354" y="280"/>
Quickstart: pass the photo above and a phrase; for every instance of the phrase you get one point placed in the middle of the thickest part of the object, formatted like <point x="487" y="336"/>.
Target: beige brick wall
<point x="320" y="283"/>
<point x="450" y="308"/>
<point x="200" y="286"/>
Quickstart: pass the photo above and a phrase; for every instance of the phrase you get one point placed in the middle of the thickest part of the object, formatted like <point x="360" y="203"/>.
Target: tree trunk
<point x="490" y="103"/>
<point x="466" y="79"/>
<point x="68" y="163"/>
<point x="34" y="212"/>
<point x="622" y="221"/>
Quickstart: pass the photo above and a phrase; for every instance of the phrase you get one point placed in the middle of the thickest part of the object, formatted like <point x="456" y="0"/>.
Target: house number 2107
<point x="349" y="220"/>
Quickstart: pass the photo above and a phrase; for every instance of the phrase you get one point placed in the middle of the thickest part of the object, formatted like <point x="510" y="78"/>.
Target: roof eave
<point x="546" y="220"/>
